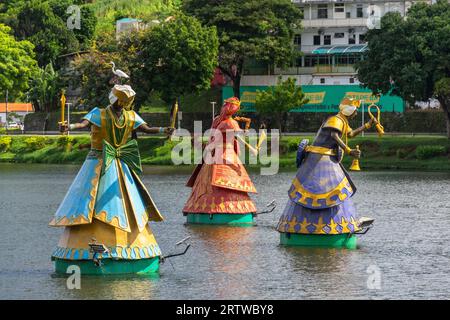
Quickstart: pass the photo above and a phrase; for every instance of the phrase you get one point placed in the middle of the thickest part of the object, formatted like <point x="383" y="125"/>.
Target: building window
<point x="351" y="80"/>
<point x="298" y="39"/>
<point x="339" y="7"/>
<point x="352" y="38"/>
<point x="341" y="60"/>
<point x="348" y="15"/>
<point x="316" y="40"/>
<point x="352" y="59"/>
<point x="362" y="38"/>
<point x="322" y="80"/>
<point x="327" y="39"/>
<point x="359" y="11"/>
<point x="339" y="35"/>
<point x="310" y="61"/>
<point x="322" y="11"/>
<point x="324" y="60"/>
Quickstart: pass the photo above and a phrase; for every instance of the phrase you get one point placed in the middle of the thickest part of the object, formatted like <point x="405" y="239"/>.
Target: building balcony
<point x="334" y="23"/>
<point x="317" y="69"/>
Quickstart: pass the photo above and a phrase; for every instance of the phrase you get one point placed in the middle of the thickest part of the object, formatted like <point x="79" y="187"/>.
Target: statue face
<point x="354" y="115"/>
<point x="117" y="105"/>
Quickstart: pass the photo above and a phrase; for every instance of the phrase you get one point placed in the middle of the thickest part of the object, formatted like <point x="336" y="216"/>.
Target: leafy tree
<point x="92" y="72"/>
<point x="176" y="57"/>
<point x="109" y="11"/>
<point x="88" y="20"/>
<point x="276" y="101"/>
<point x="44" y="23"/>
<point x="17" y="64"/>
<point x="45" y="89"/>
<point x="410" y="57"/>
<point x="258" y="29"/>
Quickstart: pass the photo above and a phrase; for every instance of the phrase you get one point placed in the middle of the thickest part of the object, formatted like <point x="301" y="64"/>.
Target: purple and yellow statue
<point x="106" y="210"/>
<point x="320" y="211"/>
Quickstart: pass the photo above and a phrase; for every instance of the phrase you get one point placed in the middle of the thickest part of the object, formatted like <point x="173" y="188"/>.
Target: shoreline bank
<point x="419" y="153"/>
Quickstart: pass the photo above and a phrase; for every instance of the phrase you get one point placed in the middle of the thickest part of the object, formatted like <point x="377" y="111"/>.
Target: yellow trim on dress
<point x="64" y="221"/>
<point x="320" y="225"/>
<point x="320" y="150"/>
<point x="305" y="194"/>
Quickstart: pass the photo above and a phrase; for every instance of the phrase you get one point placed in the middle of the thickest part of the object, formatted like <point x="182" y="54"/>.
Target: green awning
<point x="322" y="98"/>
<point x="340" y="49"/>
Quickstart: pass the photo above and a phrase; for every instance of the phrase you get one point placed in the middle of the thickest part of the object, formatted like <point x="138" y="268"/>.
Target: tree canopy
<point x="276" y="101"/>
<point x="44" y="23"/>
<point x="411" y="57"/>
<point x="176" y="57"/>
<point x="259" y="29"/>
<point x="17" y="64"/>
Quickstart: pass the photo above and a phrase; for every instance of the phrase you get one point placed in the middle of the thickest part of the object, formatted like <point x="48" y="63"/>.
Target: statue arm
<point x="74" y="126"/>
<point x="353" y="152"/>
<point x="146" y="129"/>
<point x="357" y="131"/>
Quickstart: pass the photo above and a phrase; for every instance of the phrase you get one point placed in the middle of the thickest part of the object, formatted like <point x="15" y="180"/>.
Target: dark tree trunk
<point x="448" y="124"/>
<point x="446" y="108"/>
<point x="237" y="86"/>
<point x="279" y="118"/>
<point x="235" y="76"/>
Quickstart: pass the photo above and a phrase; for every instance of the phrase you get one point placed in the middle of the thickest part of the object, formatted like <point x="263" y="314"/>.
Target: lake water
<point x="408" y="248"/>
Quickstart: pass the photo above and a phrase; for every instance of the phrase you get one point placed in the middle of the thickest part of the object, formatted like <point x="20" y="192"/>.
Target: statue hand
<point x="63" y="127"/>
<point x="355" y="153"/>
<point x="169" y="130"/>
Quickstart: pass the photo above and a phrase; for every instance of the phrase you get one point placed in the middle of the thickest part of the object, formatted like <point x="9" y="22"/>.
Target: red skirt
<point x="220" y="189"/>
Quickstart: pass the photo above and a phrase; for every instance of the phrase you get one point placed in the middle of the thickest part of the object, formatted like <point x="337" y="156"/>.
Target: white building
<point x="332" y="40"/>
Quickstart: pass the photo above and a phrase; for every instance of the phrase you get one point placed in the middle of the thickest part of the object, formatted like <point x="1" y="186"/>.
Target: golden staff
<point x="262" y="137"/>
<point x="63" y="105"/>
<point x="173" y="115"/>
<point x="377" y="121"/>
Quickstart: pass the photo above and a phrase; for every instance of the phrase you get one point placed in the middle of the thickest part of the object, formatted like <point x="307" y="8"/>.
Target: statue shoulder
<point x="229" y="124"/>
<point x="138" y="121"/>
<point x="335" y="122"/>
<point x="94" y="117"/>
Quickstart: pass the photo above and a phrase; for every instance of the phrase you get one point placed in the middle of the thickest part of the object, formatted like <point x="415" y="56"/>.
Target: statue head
<point x="122" y="96"/>
<point x="349" y="107"/>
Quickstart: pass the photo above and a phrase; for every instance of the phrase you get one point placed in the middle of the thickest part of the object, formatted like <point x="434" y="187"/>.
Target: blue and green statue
<point x="107" y="209"/>
<point x="320" y="211"/>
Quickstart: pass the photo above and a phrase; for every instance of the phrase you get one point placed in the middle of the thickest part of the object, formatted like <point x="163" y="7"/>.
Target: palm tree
<point x="45" y="88"/>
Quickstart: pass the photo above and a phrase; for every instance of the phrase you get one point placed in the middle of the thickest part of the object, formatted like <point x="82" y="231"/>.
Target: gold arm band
<point x="367" y="125"/>
<point x="347" y="149"/>
<point x="320" y="150"/>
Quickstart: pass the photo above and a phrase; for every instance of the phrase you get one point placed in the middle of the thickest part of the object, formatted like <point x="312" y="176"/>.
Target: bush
<point x="427" y="152"/>
<point x="35" y="143"/>
<point x="402" y="153"/>
<point x="5" y="143"/>
<point x="64" y="141"/>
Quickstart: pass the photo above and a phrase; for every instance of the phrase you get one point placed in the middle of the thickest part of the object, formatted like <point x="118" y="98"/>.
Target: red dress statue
<point x="220" y="187"/>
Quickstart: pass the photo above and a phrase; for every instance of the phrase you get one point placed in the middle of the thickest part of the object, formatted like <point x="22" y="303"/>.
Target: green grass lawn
<point x="427" y="153"/>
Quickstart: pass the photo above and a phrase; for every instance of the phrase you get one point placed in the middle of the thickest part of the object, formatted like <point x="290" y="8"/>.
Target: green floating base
<point x="109" y="266"/>
<point x="243" y="220"/>
<point x="319" y="240"/>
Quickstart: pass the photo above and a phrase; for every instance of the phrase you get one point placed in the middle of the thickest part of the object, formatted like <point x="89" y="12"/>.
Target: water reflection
<point x="408" y="243"/>
<point x="228" y="252"/>
<point x="133" y="287"/>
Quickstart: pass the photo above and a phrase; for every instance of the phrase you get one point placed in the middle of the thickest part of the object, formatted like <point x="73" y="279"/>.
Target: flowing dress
<point x="320" y="194"/>
<point x="107" y="202"/>
<point x="222" y="187"/>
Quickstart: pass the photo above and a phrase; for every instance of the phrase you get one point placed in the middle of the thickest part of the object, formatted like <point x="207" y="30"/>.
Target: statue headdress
<point x="124" y="94"/>
<point x="230" y="107"/>
<point x="348" y="106"/>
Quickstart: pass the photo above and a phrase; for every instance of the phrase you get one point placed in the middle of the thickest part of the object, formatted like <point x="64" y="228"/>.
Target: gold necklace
<point x="117" y="125"/>
<point x="125" y="114"/>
